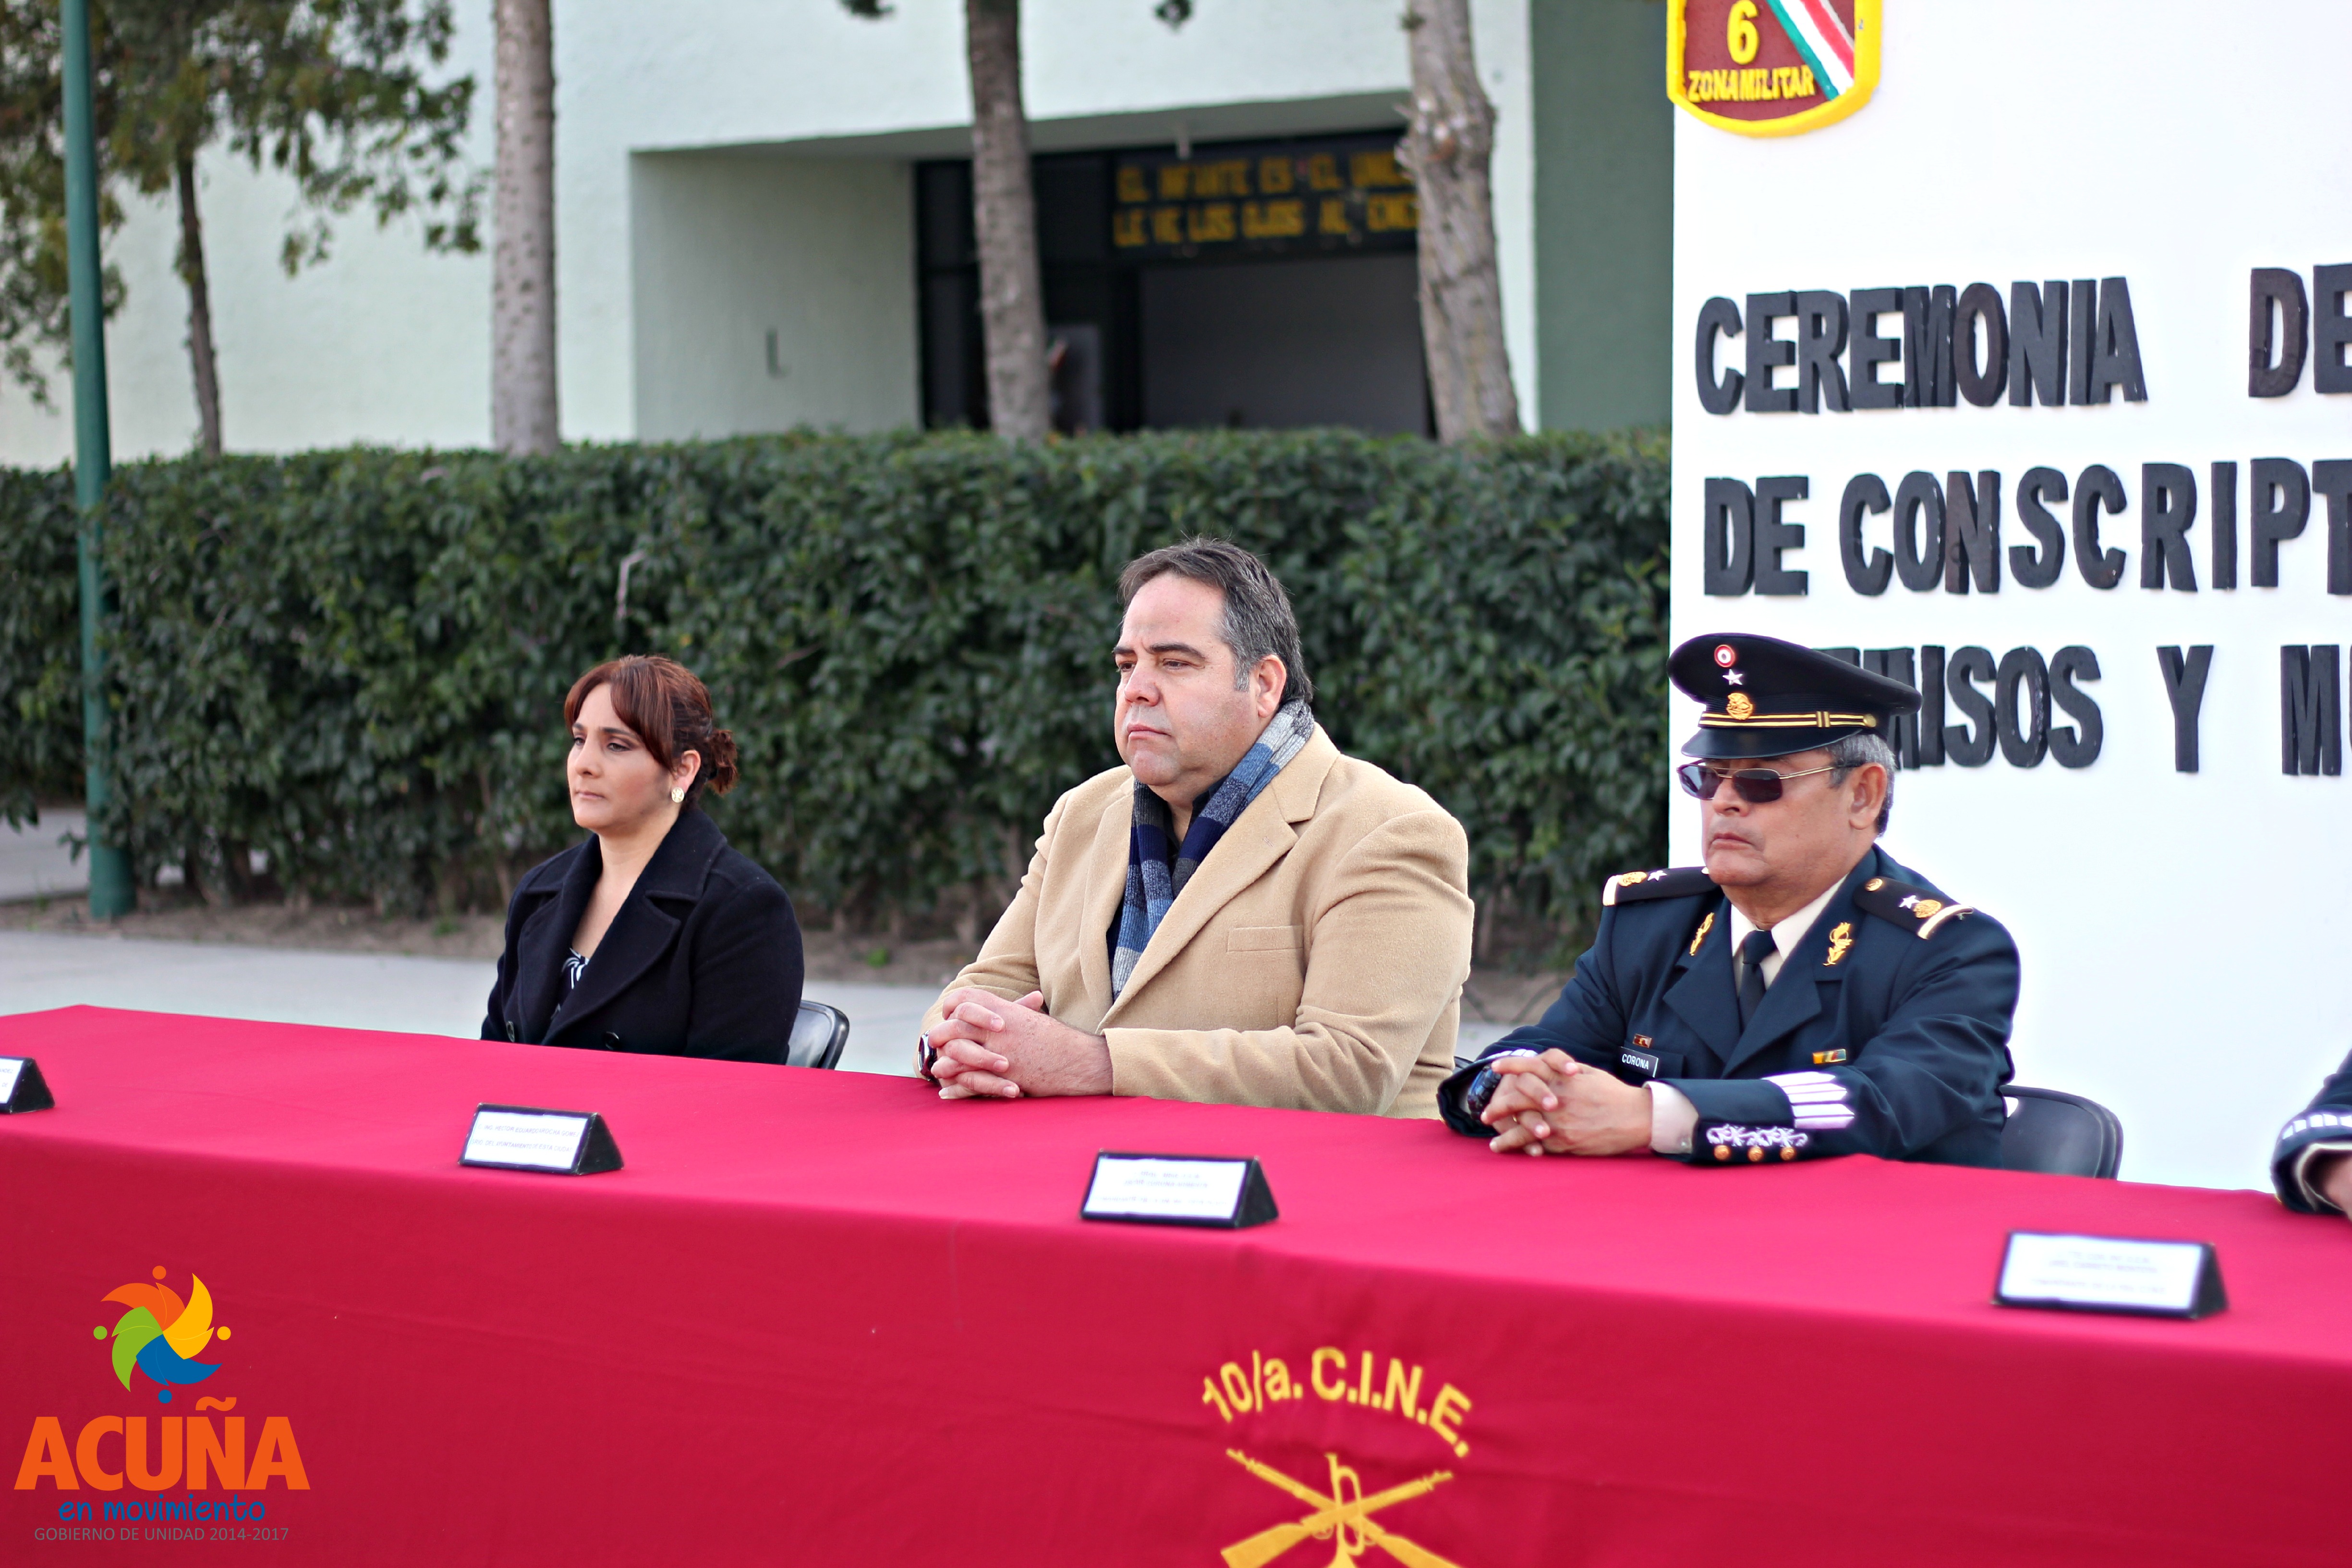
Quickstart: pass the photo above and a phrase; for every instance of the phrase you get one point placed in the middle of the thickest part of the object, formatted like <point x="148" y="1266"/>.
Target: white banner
<point x="2183" y="933"/>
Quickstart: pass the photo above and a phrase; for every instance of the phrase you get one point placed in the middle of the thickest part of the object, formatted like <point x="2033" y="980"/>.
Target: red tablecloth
<point x="822" y="1317"/>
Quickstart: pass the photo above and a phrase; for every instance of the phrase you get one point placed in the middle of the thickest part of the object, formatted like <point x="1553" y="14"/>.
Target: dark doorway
<point x="1264" y="285"/>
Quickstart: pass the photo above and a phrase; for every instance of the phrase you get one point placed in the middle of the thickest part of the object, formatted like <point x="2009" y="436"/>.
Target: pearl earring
<point x="678" y="797"/>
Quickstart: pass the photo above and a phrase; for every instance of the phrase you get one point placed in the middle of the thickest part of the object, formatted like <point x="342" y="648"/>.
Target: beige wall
<point x="730" y="249"/>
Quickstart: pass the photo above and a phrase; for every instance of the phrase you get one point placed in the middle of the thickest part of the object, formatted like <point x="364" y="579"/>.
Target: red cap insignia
<point x="1724" y="655"/>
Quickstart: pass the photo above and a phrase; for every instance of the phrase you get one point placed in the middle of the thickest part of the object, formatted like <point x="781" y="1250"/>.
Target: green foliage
<point x="334" y="94"/>
<point x="356" y="660"/>
<point x="40" y="643"/>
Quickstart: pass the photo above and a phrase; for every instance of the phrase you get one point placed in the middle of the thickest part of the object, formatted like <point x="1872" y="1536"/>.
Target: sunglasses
<point x="1754" y="785"/>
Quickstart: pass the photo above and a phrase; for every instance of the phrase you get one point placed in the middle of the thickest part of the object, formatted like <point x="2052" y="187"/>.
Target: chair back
<point x="2060" y="1133"/>
<point x="819" y="1033"/>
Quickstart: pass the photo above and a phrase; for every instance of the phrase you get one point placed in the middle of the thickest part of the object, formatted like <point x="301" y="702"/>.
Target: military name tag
<point x="1178" y="1189"/>
<point x="22" y="1087"/>
<point x="2110" y="1274"/>
<point x="1643" y="1063"/>
<point x="520" y="1138"/>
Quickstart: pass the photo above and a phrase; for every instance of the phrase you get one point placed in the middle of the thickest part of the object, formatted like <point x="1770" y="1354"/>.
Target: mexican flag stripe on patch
<point x="1814" y="27"/>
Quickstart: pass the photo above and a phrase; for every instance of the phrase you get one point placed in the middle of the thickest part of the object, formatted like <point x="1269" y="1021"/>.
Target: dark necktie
<point x="1753" y="951"/>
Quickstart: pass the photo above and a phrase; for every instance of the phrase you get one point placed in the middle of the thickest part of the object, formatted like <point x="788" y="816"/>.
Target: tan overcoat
<point x="1315" y="960"/>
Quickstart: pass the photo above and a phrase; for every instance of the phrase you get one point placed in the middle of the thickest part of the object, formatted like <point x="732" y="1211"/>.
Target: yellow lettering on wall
<point x="1173" y="178"/>
<point x="1388" y="213"/>
<point x="1333" y="218"/>
<point x="1211" y="223"/>
<point x="1131" y="184"/>
<point x="1376" y="169"/>
<point x="1274" y="220"/>
<point x="1323" y="173"/>
<point x="1128" y="228"/>
<point x="1167" y="225"/>
<point x="1274" y="177"/>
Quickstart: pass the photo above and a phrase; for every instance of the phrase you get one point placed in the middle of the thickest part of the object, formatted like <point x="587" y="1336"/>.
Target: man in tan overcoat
<point x="1240" y="913"/>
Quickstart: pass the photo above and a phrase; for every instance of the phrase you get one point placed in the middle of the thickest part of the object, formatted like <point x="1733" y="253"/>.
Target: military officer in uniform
<point x="2312" y="1165"/>
<point x="1800" y="993"/>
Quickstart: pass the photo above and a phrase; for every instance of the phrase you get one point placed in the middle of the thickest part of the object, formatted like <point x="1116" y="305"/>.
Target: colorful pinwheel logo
<point x="161" y="1334"/>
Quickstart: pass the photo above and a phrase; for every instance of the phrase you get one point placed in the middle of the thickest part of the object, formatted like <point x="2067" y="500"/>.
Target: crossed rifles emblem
<point x="1343" y="1517"/>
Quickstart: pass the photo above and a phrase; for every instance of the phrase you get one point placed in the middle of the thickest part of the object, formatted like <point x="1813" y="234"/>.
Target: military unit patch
<point x="1841" y="940"/>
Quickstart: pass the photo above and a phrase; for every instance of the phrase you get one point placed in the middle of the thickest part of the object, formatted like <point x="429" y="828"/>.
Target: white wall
<point x="2183" y="934"/>
<point x="385" y="344"/>
<point x="730" y="249"/>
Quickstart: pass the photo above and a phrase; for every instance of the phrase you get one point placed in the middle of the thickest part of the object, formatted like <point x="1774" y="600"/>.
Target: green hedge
<point x="354" y="660"/>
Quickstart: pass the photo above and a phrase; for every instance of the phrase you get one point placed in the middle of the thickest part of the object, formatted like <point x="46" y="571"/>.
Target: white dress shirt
<point x="1674" y="1120"/>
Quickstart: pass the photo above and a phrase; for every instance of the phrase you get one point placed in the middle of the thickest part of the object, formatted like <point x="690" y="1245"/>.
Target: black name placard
<point x="2110" y="1274"/>
<point x="1219" y="1192"/>
<point x="526" y="1138"/>
<point x="21" y="1088"/>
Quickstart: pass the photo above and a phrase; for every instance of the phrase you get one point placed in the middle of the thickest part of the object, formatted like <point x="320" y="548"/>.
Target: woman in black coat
<point x="652" y="935"/>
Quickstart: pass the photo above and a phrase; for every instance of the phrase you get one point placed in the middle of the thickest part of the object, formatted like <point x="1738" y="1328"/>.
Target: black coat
<point x="703" y="959"/>
<point x="1886" y="1032"/>
<point x="2327" y="1121"/>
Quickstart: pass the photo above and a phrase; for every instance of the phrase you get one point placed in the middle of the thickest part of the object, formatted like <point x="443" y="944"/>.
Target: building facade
<point x="764" y="222"/>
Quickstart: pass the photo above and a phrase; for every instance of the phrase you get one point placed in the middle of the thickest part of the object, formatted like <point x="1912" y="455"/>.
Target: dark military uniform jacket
<point x="1886" y="1031"/>
<point x="2325" y="1127"/>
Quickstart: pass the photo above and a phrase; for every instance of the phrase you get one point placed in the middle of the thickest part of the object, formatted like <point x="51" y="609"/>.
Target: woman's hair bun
<point x="719" y="763"/>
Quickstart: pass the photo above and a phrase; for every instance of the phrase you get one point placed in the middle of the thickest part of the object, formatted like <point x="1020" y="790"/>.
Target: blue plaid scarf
<point x="1156" y="872"/>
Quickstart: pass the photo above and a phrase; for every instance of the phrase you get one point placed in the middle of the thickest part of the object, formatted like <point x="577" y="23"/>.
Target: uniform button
<point x="513" y="1033"/>
<point x="612" y="1042"/>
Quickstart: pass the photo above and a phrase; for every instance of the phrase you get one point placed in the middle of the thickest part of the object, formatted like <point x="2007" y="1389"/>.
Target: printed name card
<point x="1178" y="1189"/>
<point x="520" y="1138"/>
<point x="2110" y="1274"/>
<point x="22" y="1087"/>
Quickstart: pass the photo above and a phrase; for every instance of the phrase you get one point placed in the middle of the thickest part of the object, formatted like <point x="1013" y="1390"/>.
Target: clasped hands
<point x="995" y="1049"/>
<point x="1554" y="1104"/>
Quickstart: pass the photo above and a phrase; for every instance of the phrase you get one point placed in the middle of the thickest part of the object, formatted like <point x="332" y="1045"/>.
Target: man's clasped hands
<point x="1554" y="1104"/>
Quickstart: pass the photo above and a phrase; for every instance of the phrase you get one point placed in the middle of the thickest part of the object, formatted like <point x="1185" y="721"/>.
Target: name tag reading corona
<point x="2110" y="1274"/>
<point x="519" y="1137"/>
<point x="1178" y="1189"/>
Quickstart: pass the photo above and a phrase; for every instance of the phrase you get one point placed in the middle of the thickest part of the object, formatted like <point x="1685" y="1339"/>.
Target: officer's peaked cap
<point x="1766" y="698"/>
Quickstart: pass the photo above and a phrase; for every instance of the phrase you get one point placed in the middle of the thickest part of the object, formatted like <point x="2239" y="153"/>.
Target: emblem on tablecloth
<point x="1263" y="1409"/>
<point x="162" y="1336"/>
<point x="159" y="1335"/>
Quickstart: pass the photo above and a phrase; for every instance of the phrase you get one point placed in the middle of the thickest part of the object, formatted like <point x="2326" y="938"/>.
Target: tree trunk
<point x="1004" y="213"/>
<point x="200" y="307"/>
<point x="1448" y="145"/>
<point x="522" y="287"/>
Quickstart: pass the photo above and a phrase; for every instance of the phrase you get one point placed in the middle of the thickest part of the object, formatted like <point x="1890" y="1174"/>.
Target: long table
<point x="824" y="1318"/>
